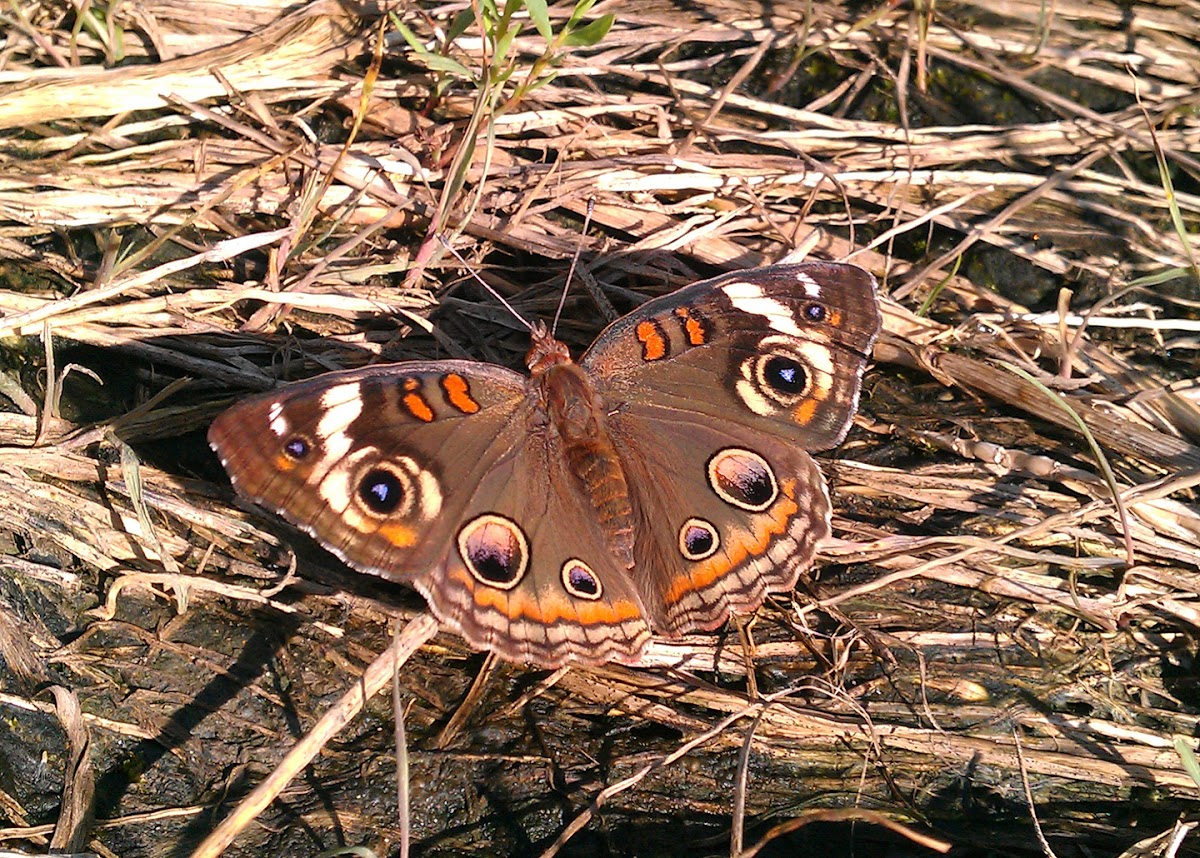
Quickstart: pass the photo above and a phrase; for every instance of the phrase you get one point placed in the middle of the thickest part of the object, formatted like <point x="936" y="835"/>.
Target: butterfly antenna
<point x="562" y="299"/>
<point x="491" y="290"/>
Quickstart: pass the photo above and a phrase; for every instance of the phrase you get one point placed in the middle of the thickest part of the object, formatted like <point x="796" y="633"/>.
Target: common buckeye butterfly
<point x="656" y="486"/>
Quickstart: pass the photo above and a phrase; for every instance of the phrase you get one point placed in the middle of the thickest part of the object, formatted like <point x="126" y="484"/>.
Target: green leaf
<point x="1160" y="278"/>
<point x="581" y="9"/>
<point x="503" y="46"/>
<point x="923" y="310"/>
<point x="1187" y="755"/>
<point x="489" y="17"/>
<point x="540" y="15"/>
<point x="590" y="33"/>
<point x="436" y="62"/>
<point x="459" y="25"/>
<point x="118" y="47"/>
<point x="409" y="36"/>
<point x="542" y="81"/>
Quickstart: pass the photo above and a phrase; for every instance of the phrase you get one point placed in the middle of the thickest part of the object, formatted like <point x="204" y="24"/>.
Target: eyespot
<point x="743" y="479"/>
<point x="297" y="447"/>
<point x="815" y="313"/>
<point x="494" y="550"/>
<point x="698" y="539"/>
<point x="580" y="581"/>
<point x="382" y="491"/>
<point x="394" y="488"/>
<point x="783" y="374"/>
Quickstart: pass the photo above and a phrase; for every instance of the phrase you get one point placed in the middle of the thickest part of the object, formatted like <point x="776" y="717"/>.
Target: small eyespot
<point x="382" y="491"/>
<point x="743" y="479"/>
<point x="785" y="375"/>
<point x="494" y="550"/>
<point x="297" y="448"/>
<point x="815" y="313"/>
<point x="698" y="539"/>
<point x="580" y="581"/>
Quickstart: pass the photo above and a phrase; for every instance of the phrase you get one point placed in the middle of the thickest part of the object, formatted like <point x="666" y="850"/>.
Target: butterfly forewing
<point x="366" y="460"/>
<point x="780" y="349"/>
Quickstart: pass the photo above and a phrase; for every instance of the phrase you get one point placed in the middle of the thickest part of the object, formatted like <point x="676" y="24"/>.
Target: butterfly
<point x="657" y="485"/>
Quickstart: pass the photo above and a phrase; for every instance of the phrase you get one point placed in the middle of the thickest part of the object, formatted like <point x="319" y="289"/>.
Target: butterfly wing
<point x="715" y="394"/>
<point x="442" y="475"/>
<point x="732" y="514"/>
<point x="780" y="349"/>
<point x="530" y="573"/>
<point x="449" y="476"/>
<point x="362" y="459"/>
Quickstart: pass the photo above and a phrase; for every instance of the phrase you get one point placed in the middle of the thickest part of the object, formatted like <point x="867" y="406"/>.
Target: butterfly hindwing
<point x="732" y="515"/>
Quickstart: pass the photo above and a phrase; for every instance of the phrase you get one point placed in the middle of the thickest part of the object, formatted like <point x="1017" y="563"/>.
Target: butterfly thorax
<point x="575" y="415"/>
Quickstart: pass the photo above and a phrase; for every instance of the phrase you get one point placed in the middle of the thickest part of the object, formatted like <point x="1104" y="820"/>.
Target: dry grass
<point x="993" y="630"/>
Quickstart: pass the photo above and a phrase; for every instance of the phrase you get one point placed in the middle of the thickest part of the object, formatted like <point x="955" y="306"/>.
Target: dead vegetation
<point x="197" y="199"/>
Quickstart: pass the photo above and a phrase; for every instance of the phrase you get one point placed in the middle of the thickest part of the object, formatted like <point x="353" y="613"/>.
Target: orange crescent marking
<point x="417" y="406"/>
<point x="601" y="614"/>
<point x="284" y="463"/>
<point x="770" y="523"/>
<point x="458" y="393"/>
<point x="654" y="347"/>
<point x="805" y="411"/>
<point x="693" y="327"/>
<point x="397" y="534"/>
<point x="516" y="606"/>
<point x="835" y="318"/>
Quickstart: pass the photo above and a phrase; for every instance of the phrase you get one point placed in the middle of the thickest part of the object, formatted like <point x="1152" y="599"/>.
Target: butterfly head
<point x="546" y="351"/>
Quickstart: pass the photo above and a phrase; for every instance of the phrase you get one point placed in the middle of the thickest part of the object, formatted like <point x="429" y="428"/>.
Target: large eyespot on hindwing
<point x="698" y="539"/>
<point x="581" y="581"/>
<point x="742" y="479"/>
<point x="783" y="373"/>
<point x="494" y="550"/>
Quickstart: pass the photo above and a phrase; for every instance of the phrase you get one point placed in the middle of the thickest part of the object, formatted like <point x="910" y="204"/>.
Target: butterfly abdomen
<point x="576" y="416"/>
<point x="598" y="471"/>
